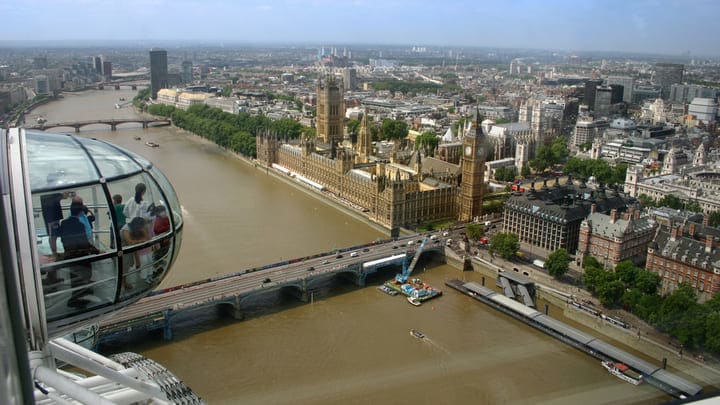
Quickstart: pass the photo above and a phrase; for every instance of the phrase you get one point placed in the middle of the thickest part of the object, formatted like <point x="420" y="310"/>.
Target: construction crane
<point x="407" y="270"/>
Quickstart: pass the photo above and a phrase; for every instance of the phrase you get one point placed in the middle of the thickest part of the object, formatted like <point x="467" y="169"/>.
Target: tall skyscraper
<point x="98" y="64"/>
<point x="349" y="78"/>
<point x="626" y="82"/>
<point x="590" y="88"/>
<point x="187" y="73"/>
<point x="330" y="110"/>
<point x="158" y="71"/>
<point x="473" y="167"/>
<point x="107" y="69"/>
<point x="603" y="97"/>
<point x="667" y="74"/>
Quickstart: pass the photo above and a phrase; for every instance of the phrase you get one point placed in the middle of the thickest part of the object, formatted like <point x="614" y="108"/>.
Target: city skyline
<point x="666" y="27"/>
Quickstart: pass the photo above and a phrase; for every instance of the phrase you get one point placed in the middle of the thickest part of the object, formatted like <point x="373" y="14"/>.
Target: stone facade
<point x="392" y="195"/>
<point x="475" y="145"/>
<point x="330" y="111"/>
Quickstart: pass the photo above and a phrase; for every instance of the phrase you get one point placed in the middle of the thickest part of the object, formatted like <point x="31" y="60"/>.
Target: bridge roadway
<point x="229" y="291"/>
<point x="113" y="123"/>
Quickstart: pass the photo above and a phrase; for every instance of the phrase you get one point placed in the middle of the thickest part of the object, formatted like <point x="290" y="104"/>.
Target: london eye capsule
<point x="96" y="227"/>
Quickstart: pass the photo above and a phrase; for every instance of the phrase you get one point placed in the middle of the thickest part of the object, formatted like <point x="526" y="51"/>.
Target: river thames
<point x="350" y="345"/>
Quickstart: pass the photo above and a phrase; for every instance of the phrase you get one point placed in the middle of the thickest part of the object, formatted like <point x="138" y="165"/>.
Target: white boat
<point x="152" y="144"/>
<point x="414" y="301"/>
<point x="416" y="333"/>
<point x="618" y="370"/>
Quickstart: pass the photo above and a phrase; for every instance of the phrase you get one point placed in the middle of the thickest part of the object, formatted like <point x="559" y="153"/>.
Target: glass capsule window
<point x="107" y="226"/>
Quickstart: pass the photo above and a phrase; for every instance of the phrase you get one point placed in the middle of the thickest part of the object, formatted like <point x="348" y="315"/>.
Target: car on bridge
<point x="326" y="261"/>
<point x="311" y="268"/>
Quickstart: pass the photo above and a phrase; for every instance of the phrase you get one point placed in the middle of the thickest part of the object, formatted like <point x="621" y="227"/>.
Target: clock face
<point x="468" y="151"/>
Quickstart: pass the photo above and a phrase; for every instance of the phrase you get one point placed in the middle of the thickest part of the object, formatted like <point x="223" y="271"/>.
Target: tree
<point x="394" y="129"/>
<point x="647" y="282"/>
<point x="559" y="150"/>
<point x="646" y="200"/>
<point x="353" y="126"/>
<point x="670" y="201"/>
<point x="525" y="172"/>
<point x="693" y="206"/>
<point x="618" y="174"/>
<point x="227" y="91"/>
<point x="626" y="272"/>
<point x="671" y="313"/>
<point x="714" y="219"/>
<point x="505" y="174"/>
<point x="428" y="141"/>
<point x="474" y="231"/>
<point x="611" y="292"/>
<point x="506" y="244"/>
<point x="557" y="263"/>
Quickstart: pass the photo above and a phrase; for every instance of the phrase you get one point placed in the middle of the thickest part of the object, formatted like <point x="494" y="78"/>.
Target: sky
<point x="669" y="27"/>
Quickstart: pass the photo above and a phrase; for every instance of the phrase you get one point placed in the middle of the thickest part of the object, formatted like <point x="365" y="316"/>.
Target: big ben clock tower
<point x="473" y="168"/>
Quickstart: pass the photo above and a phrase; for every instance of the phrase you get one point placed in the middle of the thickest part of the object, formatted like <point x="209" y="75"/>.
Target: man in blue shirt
<point x="86" y="217"/>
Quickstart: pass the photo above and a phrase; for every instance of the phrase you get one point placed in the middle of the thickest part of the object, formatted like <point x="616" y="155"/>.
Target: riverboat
<point x="414" y="301"/>
<point x="137" y="138"/>
<point x="619" y="370"/>
<point x="387" y="290"/>
<point x="416" y="333"/>
<point x="152" y="144"/>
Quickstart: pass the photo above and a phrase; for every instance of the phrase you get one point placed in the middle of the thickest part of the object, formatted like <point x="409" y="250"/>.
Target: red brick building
<point x="686" y="253"/>
<point x="614" y="238"/>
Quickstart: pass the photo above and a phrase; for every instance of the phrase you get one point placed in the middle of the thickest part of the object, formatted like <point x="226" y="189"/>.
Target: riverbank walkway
<point x="668" y="382"/>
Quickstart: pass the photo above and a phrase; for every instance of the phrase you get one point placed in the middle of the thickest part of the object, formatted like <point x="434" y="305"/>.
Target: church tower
<point x="330" y="110"/>
<point x="364" y="141"/>
<point x="669" y="162"/>
<point x="473" y="167"/>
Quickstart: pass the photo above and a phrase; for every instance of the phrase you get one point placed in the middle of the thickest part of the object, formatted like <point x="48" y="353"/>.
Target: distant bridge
<point x="113" y="123"/>
<point x="299" y="277"/>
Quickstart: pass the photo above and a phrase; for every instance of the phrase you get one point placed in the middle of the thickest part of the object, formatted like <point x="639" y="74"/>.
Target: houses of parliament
<point x="401" y="188"/>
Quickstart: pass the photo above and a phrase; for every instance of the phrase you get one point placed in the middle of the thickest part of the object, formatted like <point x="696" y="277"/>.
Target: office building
<point x="97" y="63"/>
<point x="626" y="82"/>
<point x="685" y="93"/>
<point x="550" y="218"/>
<point x="158" y="71"/>
<point x="603" y="100"/>
<point x="107" y="70"/>
<point x="587" y="130"/>
<point x="705" y="110"/>
<point x="187" y="72"/>
<point x="349" y="78"/>
<point x="642" y="92"/>
<point x="667" y="74"/>
<point x="590" y="89"/>
<point x="42" y="84"/>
